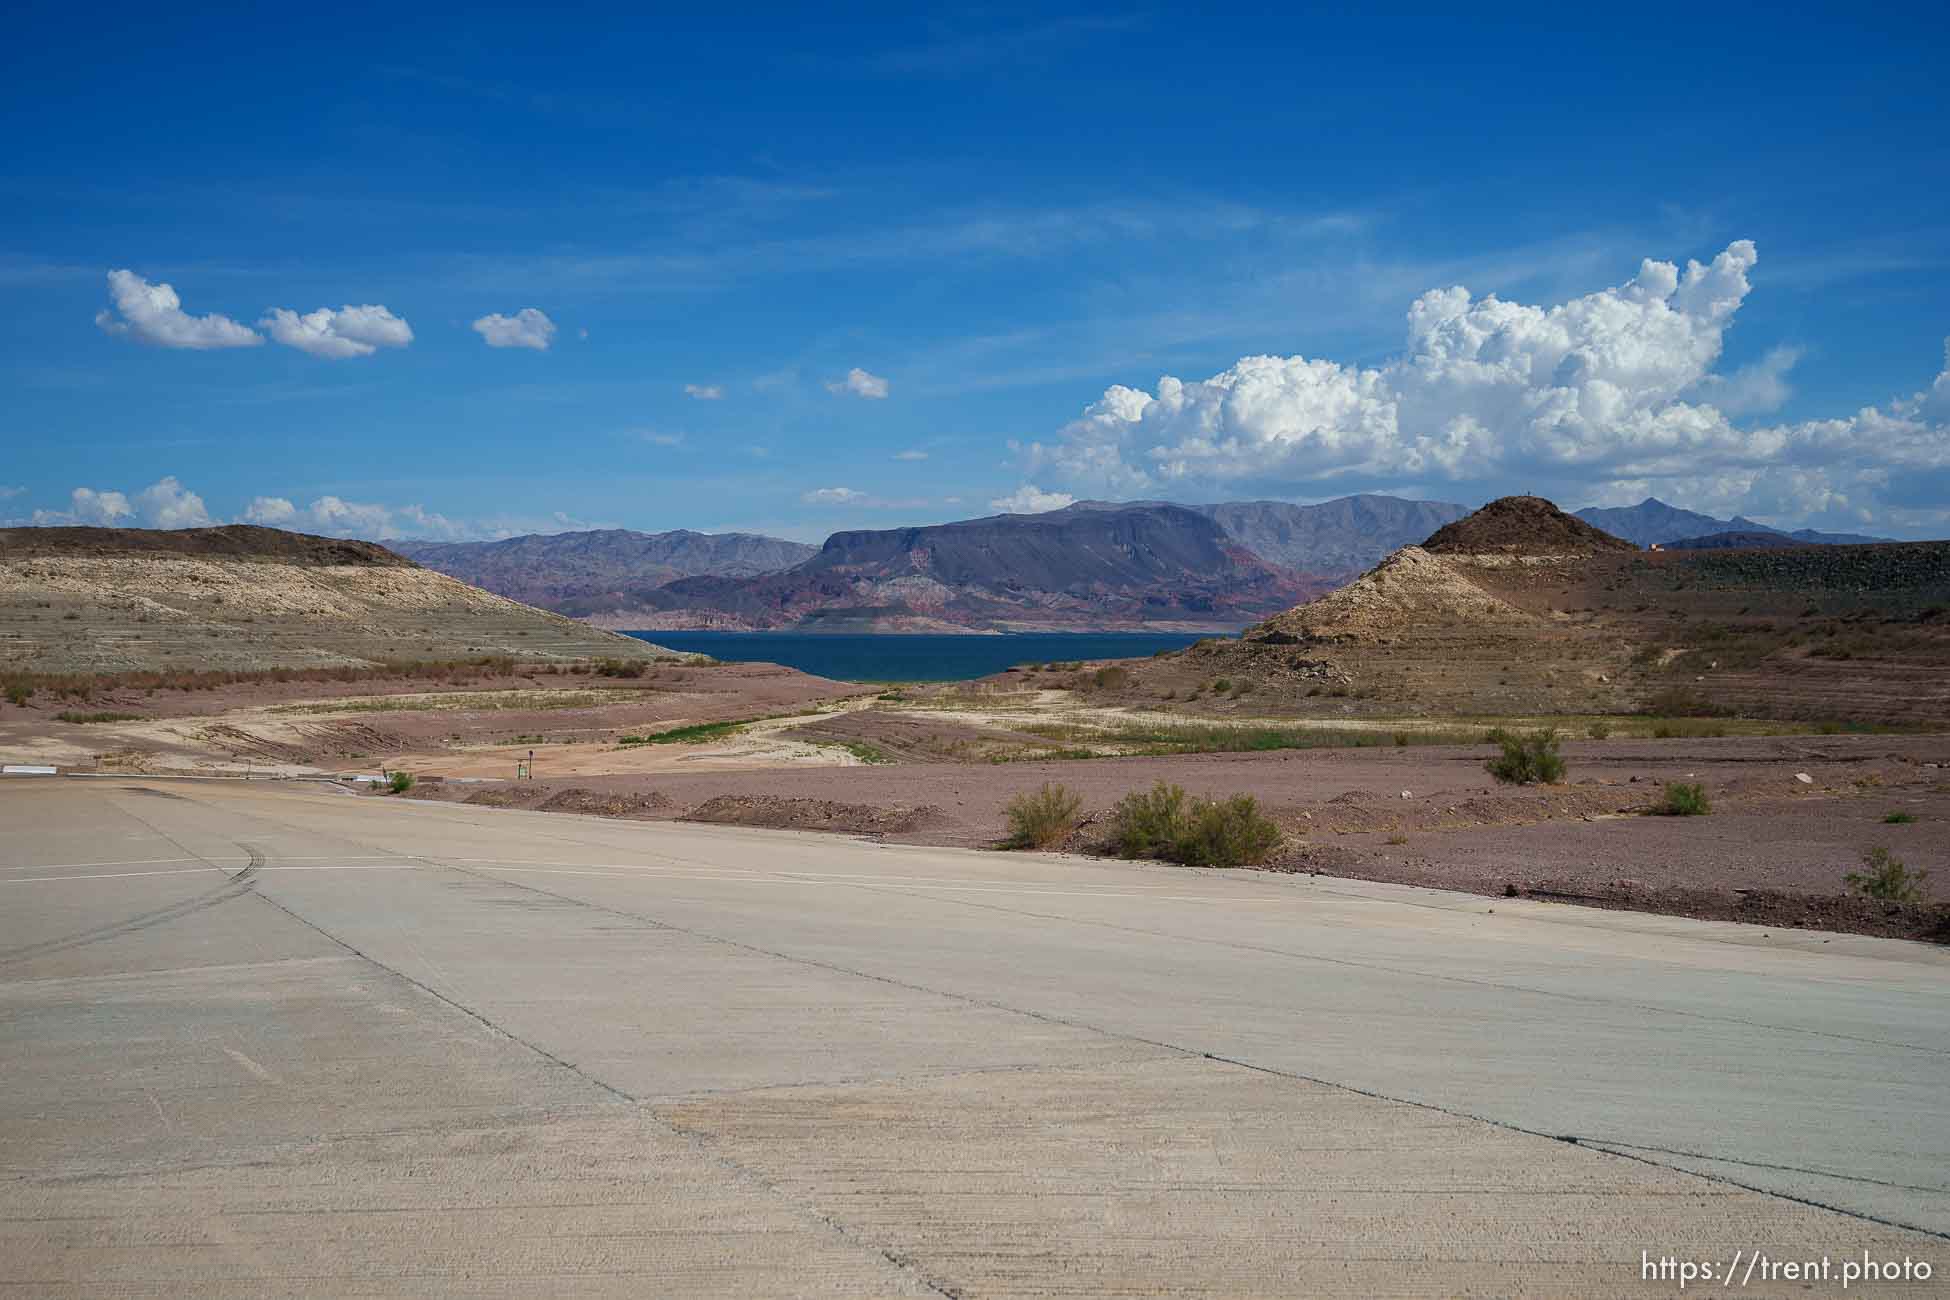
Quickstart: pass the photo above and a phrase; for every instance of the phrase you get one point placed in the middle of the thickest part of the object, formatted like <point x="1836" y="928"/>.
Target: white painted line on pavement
<point x="214" y="857"/>
<point x="194" y="871"/>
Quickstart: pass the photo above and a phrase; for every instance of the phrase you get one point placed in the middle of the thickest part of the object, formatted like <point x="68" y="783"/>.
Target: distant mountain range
<point x="1652" y="520"/>
<point x="1094" y="567"/>
<point x="1091" y="565"/>
<point x="1741" y="541"/>
<point x="1095" y="564"/>
<point x="604" y="570"/>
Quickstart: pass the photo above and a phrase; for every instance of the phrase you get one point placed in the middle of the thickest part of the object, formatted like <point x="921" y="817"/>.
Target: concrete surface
<point x="264" y="1040"/>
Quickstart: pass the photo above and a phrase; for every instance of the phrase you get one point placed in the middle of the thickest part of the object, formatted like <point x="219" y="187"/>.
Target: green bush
<point x="400" y="782"/>
<point x="1221" y="686"/>
<point x="1036" y="821"/>
<point x="621" y="668"/>
<point x="1111" y="677"/>
<point x="1899" y="818"/>
<point x="1598" y="730"/>
<point x="1145" y="824"/>
<point x="103" y="716"/>
<point x="1683" y="800"/>
<point x="1887" y="878"/>
<point x="1163" y="823"/>
<point x="1233" y="833"/>
<point x="18" y="693"/>
<point x="1527" y="760"/>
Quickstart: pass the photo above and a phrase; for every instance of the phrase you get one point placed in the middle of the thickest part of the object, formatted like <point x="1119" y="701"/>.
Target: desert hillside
<point x="243" y="597"/>
<point x="1521" y="608"/>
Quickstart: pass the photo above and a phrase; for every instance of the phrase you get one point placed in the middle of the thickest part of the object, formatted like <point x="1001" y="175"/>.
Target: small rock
<point x="1407" y="794"/>
<point x="1804" y="778"/>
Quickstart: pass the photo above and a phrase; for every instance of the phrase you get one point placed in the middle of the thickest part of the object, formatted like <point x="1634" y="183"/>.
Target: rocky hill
<point x="605" y="571"/>
<point x="1520" y="610"/>
<point x="1410" y="589"/>
<point x="1522" y="526"/>
<point x="1152" y="565"/>
<point x="243" y="597"/>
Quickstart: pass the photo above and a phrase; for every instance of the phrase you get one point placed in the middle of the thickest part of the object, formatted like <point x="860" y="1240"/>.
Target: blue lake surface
<point x="919" y="657"/>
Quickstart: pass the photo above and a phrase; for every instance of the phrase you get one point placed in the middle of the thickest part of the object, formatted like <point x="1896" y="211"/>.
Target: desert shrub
<point x="1683" y="800"/>
<point x="1146" y="823"/>
<point x="1228" y="833"/>
<point x="400" y="782"/>
<point x="1221" y="686"/>
<point x="1898" y="818"/>
<point x="104" y="716"/>
<point x="18" y="693"/>
<point x="1111" y="677"/>
<point x="1528" y="760"/>
<point x="1687" y="729"/>
<point x="621" y="667"/>
<point x="1598" y="730"/>
<point x="1681" y="702"/>
<point x="1401" y="739"/>
<point x="1886" y="877"/>
<point x="1039" y="820"/>
<point x="697" y="733"/>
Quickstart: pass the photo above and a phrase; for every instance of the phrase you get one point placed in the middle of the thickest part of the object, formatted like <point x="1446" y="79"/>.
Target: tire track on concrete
<point x="703" y="1145"/>
<point x="234" y="886"/>
<point x="654" y="923"/>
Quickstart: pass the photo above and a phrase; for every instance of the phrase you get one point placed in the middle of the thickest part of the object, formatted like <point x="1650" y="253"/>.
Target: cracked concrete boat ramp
<point x="268" y="1039"/>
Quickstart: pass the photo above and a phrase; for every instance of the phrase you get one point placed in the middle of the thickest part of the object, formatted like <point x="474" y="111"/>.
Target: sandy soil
<point x="475" y="726"/>
<point x="1775" y="848"/>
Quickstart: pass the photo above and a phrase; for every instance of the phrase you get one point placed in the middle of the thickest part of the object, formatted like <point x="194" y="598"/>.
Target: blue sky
<point x="1007" y="226"/>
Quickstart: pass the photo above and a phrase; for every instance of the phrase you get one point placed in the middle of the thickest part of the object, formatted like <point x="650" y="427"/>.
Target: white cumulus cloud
<point x="272" y="512"/>
<point x="168" y="504"/>
<point x="90" y="506"/>
<point x="705" y="392"/>
<point x="165" y="503"/>
<point x="832" y="496"/>
<point x="1613" y="387"/>
<point x="153" y="314"/>
<point x="910" y="454"/>
<point x="528" y="328"/>
<point x="347" y="332"/>
<point x="1762" y="386"/>
<point x="1031" y="500"/>
<point x="858" y="383"/>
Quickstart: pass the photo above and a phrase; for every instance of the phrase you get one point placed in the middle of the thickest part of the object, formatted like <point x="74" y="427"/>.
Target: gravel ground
<point x="1775" y="849"/>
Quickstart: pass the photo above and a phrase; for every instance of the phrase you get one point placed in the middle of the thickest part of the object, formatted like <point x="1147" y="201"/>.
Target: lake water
<point x="917" y="657"/>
